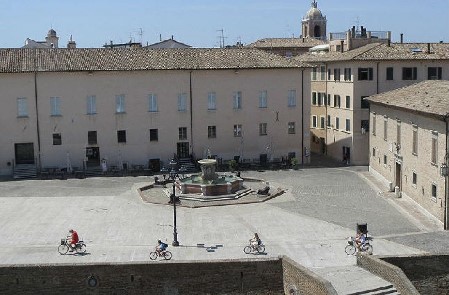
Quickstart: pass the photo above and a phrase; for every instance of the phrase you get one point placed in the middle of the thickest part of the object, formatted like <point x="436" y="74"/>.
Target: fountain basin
<point x="221" y="185"/>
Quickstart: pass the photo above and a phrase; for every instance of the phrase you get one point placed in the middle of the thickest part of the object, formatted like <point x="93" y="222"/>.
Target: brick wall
<point x="257" y="276"/>
<point x="303" y="281"/>
<point x="428" y="273"/>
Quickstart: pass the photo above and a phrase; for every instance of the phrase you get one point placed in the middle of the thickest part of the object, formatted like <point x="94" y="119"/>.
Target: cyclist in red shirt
<point x="73" y="239"/>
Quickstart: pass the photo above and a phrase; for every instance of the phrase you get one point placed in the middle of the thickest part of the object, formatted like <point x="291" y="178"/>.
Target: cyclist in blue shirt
<point x="161" y="246"/>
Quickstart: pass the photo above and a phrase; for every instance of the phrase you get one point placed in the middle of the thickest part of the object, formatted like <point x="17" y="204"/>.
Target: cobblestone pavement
<point x="309" y="223"/>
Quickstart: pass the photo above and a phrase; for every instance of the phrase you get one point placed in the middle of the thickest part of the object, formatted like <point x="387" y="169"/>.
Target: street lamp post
<point x="173" y="175"/>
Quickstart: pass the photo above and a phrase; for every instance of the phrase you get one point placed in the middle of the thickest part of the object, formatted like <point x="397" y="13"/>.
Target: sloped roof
<point x="16" y="60"/>
<point x="285" y="43"/>
<point x="169" y="43"/>
<point x="381" y="51"/>
<point x="428" y="97"/>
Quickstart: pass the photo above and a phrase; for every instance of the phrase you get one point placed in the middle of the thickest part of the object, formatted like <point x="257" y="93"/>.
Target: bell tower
<point x="314" y="23"/>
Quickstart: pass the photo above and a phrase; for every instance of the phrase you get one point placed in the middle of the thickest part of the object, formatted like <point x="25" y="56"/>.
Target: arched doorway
<point x="317" y="32"/>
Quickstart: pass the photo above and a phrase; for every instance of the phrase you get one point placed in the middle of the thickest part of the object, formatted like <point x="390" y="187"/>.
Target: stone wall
<point x="205" y="277"/>
<point x="271" y="276"/>
<point x="299" y="280"/>
<point x="429" y="273"/>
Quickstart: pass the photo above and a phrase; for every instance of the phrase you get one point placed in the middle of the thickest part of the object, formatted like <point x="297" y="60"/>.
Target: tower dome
<point x="314" y="23"/>
<point x="51" y="33"/>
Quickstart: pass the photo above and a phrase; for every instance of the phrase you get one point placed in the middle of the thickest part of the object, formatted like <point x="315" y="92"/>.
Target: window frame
<point x="57" y="138"/>
<point x="55" y="106"/>
<point x="182" y="102"/>
<point x="237" y="100"/>
<point x="212" y="131"/>
<point x="263" y="129"/>
<point x="211" y="101"/>
<point x="182" y="133"/>
<point x="365" y="74"/>
<point x="121" y="136"/>
<point x="22" y="107"/>
<point x="153" y="106"/>
<point x="389" y="74"/>
<point x="291" y="99"/>
<point x="291" y="128"/>
<point x="154" y="134"/>
<point x="92" y="137"/>
<point x="238" y="130"/>
<point x="120" y="104"/>
<point x="409" y="73"/>
<point x="263" y="99"/>
<point x="91" y="101"/>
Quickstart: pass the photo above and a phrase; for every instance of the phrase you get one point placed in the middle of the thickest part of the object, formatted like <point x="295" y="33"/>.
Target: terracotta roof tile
<point x="285" y="42"/>
<point x="428" y="97"/>
<point x="128" y="59"/>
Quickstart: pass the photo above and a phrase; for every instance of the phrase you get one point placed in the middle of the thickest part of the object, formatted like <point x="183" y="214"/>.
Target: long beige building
<point x="409" y="140"/>
<point x="80" y="106"/>
<point x="348" y="71"/>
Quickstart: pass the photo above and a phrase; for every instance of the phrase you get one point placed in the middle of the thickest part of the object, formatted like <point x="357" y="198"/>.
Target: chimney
<point x="71" y="44"/>
<point x="160" y="37"/>
<point x="428" y="47"/>
<point x="402" y="38"/>
<point x="388" y="42"/>
<point x="172" y="37"/>
<point x="342" y="43"/>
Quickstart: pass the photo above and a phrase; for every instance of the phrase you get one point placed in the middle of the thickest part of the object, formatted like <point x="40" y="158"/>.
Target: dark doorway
<point x="346" y="154"/>
<point x="24" y="153"/>
<point x="93" y="156"/>
<point x="322" y="145"/>
<point x="398" y="176"/>
<point x="183" y="150"/>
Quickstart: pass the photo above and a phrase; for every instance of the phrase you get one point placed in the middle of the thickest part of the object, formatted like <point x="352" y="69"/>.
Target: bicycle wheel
<point x="247" y="249"/>
<point x="167" y="255"/>
<point x="153" y="255"/>
<point x="261" y="249"/>
<point x="63" y="249"/>
<point x="350" y="249"/>
<point x="368" y="249"/>
<point x="80" y="248"/>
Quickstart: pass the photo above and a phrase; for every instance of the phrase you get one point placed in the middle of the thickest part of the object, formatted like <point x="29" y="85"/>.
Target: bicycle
<point x="254" y="248"/>
<point x="165" y="254"/>
<point x="64" y="247"/>
<point x="351" y="248"/>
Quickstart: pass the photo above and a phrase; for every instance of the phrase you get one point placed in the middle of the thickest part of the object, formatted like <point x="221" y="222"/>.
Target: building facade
<point x="409" y="142"/>
<point x="133" y="105"/>
<point x="343" y="78"/>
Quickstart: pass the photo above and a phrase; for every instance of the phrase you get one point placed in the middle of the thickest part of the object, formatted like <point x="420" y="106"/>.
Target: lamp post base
<point x="175" y="243"/>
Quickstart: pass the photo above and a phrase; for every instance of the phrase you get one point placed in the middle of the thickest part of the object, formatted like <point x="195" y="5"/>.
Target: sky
<point x="201" y="23"/>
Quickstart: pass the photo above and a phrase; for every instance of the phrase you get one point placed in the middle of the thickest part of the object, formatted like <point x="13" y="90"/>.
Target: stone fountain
<point x="209" y="183"/>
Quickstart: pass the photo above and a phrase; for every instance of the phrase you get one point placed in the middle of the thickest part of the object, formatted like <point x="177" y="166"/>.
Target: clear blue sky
<point x="197" y="22"/>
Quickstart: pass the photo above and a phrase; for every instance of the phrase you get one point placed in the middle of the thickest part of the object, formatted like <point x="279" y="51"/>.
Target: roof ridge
<point x="370" y="48"/>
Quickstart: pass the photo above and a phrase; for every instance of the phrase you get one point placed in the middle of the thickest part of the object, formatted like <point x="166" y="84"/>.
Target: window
<point x="321" y="97"/>
<point x="348" y="102"/>
<point x="328" y="121"/>
<point x="263" y="129"/>
<point x="314" y="99"/>
<point x="22" y="107"/>
<point x="292" y="98"/>
<point x="337" y="101"/>
<point x="291" y="128"/>
<point x="152" y="103"/>
<point x="328" y="99"/>
<point x="55" y="103"/>
<point x="337" y="123"/>
<point x="263" y="99"/>
<point x="322" y="122"/>
<point x="182" y="133"/>
<point x="238" y="130"/>
<point x="347" y="75"/>
<point x="120" y="103"/>
<point x="323" y="73"/>
<point x="348" y="125"/>
<point x="398" y="133"/>
<point x="409" y="73"/>
<point x="385" y="128"/>
<point x="434" y="73"/>
<point x="414" y="178"/>
<point x="121" y="136"/>
<point x="237" y="100"/>
<point x="374" y="124"/>
<point x="57" y="139"/>
<point x="154" y="134"/>
<point x="415" y="140"/>
<point x="434" y="191"/>
<point x="92" y="137"/>
<point x="374" y="152"/>
<point x="211" y="101"/>
<point x="364" y="104"/>
<point x="182" y="102"/>
<point x="314" y="70"/>
<point x="91" y="101"/>
<point x="211" y="131"/>
<point x="389" y="73"/>
<point x="337" y="74"/>
<point x="314" y="121"/>
<point x="385" y="159"/>
<point x="328" y="74"/>
<point x="364" y="124"/>
<point x="365" y="74"/>
<point x="434" y="153"/>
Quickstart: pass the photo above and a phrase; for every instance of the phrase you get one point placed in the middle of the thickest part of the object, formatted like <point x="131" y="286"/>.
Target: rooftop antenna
<point x="221" y="38"/>
<point x="357" y="23"/>
<point x="140" y="33"/>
